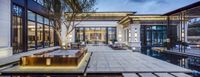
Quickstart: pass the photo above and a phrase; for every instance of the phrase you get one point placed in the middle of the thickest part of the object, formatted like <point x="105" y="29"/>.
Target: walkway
<point x="106" y="60"/>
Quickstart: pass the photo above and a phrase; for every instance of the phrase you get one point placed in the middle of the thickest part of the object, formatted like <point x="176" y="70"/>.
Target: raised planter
<point x="55" y="60"/>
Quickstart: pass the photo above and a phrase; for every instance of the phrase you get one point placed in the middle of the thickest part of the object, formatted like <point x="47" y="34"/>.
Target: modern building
<point x="134" y="30"/>
<point x="140" y="30"/>
<point x="25" y="26"/>
<point x="101" y="27"/>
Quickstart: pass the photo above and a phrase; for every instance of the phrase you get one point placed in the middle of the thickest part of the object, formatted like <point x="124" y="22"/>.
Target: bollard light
<point x="48" y="61"/>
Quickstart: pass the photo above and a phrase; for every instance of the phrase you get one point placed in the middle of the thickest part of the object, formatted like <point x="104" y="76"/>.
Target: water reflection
<point x="192" y="63"/>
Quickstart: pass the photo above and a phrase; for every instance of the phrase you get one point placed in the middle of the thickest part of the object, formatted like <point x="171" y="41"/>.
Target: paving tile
<point x="181" y="75"/>
<point x="130" y="75"/>
<point x="147" y="75"/>
<point x="122" y="60"/>
<point x="164" y="75"/>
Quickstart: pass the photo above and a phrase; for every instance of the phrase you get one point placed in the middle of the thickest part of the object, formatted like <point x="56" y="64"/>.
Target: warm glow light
<point x="134" y="48"/>
<point x="120" y="39"/>
<point x="70" y="35"/>
<point x="183" y="34"/>
<point x="48" y="61"/>
<point x="23" y="60"/>
<point x="58" y="67"/>
<point x="63" y="44"/>
<point x="120" y="35"/>
<point x="135" y="35"/>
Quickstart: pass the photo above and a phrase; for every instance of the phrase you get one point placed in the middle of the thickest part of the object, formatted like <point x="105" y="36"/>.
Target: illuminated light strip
<point x="57" y="67"/>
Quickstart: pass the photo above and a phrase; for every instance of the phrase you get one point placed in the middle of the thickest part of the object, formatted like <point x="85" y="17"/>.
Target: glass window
<point x="51" y="36"/>
<point x="41" y="2"/>
<point x="39" y="35"/>
<point x="17" y="29"/>
<point x="31" y="16"/>
<point x="51" y="23"/>
<point x="31" y="35"/>
<point x="46" y="37"/>
<point x="17" y="11"/>
<point x="46" y="21"/>
<point x="39" y="19"/>
<point x="91" y="35"/>
<point x="111" y="34"/>
<point x="155" y="35"/>
<point x="79" y="35"/>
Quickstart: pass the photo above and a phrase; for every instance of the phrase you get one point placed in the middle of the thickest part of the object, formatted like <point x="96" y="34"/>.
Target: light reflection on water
<point x="183" y="61"/>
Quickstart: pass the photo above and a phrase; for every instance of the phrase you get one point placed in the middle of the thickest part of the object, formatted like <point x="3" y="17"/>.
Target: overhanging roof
<point x="184" y="8"/>
<point x="116" y="16"/>
<point x="142" y="17"/>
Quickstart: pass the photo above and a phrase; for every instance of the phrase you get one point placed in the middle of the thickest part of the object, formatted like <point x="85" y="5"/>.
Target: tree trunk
<point x="59" y="38"/>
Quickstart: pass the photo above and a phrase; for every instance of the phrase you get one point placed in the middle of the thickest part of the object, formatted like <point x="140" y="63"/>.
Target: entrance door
<point x="153" y="36"/>
<point x="95" y="35"/>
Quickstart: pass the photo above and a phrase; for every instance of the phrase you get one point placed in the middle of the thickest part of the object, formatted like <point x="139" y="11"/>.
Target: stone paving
<point x="106" y="60"/>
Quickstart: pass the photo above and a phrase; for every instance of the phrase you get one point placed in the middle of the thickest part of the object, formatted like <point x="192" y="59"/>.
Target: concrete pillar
<point x="5" y="28"/>
<point x="120" y="33"/>
<point x="135" y="36"/>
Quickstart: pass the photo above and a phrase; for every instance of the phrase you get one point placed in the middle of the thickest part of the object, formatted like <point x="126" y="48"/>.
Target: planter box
<point x="56" y="60"/>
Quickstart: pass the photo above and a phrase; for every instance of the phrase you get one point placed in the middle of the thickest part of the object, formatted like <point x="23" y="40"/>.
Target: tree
<point x="66" y="12"/>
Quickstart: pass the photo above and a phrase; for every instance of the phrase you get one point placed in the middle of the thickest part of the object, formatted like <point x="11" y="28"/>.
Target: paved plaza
<point x="106" y="60"/>
<point x="103" y="59"/>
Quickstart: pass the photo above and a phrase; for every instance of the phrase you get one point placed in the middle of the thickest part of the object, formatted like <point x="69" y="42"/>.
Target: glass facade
<point x="95" y="34"/>
<point x="37" y="33"/>
<point x="31" y="30"/>
<point x="31" y="35"/>
<point x="41" y="2"/>
<point x="194" y="31"/>
<point x="40" y="35"/>
<point x="112" y="34"/>
<point x="17" y="27"/>
<point x="153" y="35"/>
<point x="46" y="33"/>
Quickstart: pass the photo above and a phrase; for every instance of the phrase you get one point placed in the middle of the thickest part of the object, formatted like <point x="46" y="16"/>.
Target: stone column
<point x="5" y="28"/>
<point x="135" y="36"/>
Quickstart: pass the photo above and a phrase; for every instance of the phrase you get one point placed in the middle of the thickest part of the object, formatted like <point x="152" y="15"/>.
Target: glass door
<point x="95" y="35"/>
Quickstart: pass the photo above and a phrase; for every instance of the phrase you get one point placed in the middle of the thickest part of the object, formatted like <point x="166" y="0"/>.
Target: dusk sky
<point x="142" y="6"/>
